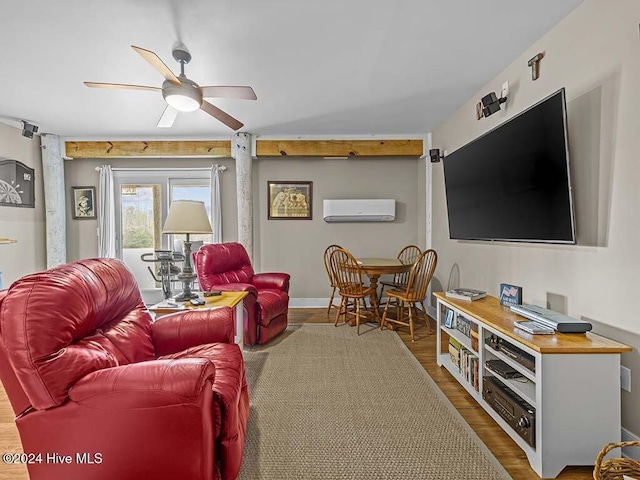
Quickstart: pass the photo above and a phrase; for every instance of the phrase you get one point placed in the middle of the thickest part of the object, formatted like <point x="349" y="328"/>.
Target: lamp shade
<point x="187" y="216"/>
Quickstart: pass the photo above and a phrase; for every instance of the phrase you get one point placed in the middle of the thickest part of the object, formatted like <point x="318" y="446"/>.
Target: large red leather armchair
<point x="226" y="266"/>
<point x="90" y="376"/>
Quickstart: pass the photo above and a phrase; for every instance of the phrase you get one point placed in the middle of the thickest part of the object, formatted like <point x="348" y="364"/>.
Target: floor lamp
<point x="186" y="217"/>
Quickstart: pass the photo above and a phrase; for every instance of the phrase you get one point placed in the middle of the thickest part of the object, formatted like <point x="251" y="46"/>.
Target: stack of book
<point x="469" y="367"/>
<point x="468" y="294"/>
<point x="463" y="326"/>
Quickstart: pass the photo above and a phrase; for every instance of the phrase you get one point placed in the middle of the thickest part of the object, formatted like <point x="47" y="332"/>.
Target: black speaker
<point x="434" y="155"/>
<point x="28" y="129"/>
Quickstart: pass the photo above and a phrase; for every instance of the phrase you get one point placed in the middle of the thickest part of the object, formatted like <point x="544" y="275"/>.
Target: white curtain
<point x="106" y="214"/>
<point x="216" y="211"/>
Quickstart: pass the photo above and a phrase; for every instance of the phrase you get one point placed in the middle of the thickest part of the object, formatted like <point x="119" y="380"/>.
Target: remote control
<point x="197" y="301"/>
<point x="213" y="293"/>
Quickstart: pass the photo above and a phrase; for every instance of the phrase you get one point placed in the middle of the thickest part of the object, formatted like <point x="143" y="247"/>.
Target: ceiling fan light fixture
<point x="186" y="97"/>
<point x="182" y="103"/>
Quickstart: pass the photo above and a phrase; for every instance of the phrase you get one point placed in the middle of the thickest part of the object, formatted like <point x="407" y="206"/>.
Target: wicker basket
<point x="614" y="468"/>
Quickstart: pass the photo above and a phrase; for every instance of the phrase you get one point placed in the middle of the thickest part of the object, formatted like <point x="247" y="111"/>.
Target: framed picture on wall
<point x="289" y="200"/>
<point x="83" y="203"/>
<point x="17" y="184"/>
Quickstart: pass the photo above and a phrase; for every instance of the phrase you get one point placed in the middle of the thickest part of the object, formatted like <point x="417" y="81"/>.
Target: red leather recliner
<point x="91" y="377"/>
<point x="226" y="266"/>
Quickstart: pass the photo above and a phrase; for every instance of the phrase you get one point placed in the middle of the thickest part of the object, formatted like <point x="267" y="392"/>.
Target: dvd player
<point x="557" y="321"/>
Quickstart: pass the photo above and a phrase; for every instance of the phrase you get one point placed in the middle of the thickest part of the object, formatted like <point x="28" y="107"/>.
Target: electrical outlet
<point x="505" y="90"/>
<point x="625" y="378"/>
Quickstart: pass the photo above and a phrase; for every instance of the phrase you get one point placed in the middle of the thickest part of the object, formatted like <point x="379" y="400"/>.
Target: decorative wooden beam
<point x="339" y="148"/>
<point x="171" y="148"/>
<point x="264" y="148"/>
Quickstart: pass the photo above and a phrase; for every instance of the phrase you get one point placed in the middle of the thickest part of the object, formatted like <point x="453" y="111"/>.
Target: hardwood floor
<point x="506" y="451"/>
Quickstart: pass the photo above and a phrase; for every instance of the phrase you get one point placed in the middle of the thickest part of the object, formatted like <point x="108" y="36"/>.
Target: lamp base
<point x="184" y="297"/>
<point x="186" y="279"/>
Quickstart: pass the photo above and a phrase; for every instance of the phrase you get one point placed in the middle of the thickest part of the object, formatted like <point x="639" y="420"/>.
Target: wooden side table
<point x="227" y="299"/>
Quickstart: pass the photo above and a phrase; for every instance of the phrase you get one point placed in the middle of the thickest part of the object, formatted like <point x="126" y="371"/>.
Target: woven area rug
<point x="327" y="404"/>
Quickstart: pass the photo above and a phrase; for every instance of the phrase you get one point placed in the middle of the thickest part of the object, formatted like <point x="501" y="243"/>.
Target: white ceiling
<point x="330" y="67"/>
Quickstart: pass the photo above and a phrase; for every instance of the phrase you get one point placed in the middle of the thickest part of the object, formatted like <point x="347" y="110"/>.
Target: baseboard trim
<point x="629" y="452"/>
<point x="324" y="302"/>
<point x="311" y="302"/>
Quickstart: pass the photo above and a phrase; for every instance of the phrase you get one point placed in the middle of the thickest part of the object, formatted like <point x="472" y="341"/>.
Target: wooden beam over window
<point x="339" y="148"/>
<point x="264" y="148"/>
<point x="171" y="148"/>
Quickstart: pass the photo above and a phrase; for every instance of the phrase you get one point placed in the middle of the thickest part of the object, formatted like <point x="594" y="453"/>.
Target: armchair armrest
<point x="155" y="383"/>
<point x="179" y="331"/>
<point x="236" y="287"/>
<point x="272" y="281"/>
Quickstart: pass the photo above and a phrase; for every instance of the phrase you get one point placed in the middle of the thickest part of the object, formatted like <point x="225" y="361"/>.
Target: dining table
<point x="373" y="267"/>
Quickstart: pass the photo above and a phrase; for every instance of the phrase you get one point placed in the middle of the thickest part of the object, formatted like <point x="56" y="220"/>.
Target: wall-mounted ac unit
<point x="359" y="210"/>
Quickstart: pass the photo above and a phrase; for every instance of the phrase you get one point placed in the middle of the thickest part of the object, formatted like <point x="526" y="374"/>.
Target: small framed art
<point x="289" y="200"/>
<point x="510" y="294"/>
<point x="83" y="203"/>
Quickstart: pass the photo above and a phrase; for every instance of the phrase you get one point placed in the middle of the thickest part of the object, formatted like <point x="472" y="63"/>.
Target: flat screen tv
<point x="513" y="183"/>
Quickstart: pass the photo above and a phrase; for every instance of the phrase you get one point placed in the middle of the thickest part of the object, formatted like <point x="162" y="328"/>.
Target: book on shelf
<point x="454" y="351"/>
<point x="468" y="294"/>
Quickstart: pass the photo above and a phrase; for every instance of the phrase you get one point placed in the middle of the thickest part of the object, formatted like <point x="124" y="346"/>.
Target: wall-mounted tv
<point x="513" y="182"/>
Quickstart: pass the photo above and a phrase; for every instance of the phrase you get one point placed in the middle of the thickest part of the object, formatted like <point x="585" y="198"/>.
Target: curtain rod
<point x="222" y="168"/>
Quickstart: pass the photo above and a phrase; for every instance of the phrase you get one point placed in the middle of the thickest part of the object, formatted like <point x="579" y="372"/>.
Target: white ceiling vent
<point x="359" y="210"/>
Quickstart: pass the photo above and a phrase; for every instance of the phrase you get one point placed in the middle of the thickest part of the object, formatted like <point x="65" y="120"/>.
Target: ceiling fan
<point x="183" y="94"/>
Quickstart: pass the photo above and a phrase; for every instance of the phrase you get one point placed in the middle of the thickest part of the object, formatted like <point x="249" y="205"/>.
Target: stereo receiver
<point x="512" y="408"/>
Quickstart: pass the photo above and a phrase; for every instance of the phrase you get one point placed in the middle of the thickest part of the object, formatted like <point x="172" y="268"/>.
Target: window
<point x="142" y="203"/>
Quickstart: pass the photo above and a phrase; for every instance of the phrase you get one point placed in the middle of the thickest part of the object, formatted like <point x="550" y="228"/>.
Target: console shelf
<point x="572" y="420"/>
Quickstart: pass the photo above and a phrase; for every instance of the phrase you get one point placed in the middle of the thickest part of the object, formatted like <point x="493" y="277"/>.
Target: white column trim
<point x="54" y="200"/>
<point x="241" y="151"/>
<point x="429" y="191"/>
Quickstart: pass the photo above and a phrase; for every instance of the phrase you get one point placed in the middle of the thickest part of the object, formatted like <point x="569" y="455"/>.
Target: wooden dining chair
<point x="415" y="292"/>
<point x="408" y="255"/>
<point x="350" y="286"/>
<point x="332" y="281"/>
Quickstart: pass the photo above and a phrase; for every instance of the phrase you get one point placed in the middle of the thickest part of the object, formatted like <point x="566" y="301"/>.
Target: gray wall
<point x="293" y="246"/>
<point x="595" y="54"/>
<point x="297" y="246"/>
<point x="26" y="225"/>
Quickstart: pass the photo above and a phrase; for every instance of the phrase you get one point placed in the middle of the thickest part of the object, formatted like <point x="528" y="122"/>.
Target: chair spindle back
<point x="420" y="276"/>
<point x="408" y="255"/>
<point x="347" y="272"/>
<point x="327" y="264"/>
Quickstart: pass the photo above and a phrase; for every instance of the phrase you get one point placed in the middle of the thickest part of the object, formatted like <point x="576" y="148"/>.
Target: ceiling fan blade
<point x="158" y="64"/>
<point x="224" y="117"/>
<point x="122" y="85"/>
<point x="242" y="93"/>
<point x="168" y="117"/>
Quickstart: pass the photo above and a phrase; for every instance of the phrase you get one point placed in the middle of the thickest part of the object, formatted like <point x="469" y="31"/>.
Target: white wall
<point x="26" y="225"/>
<point x="595" y="54"/>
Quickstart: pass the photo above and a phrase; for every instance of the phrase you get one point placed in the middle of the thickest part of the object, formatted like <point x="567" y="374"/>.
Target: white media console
<point x="571" y="381"/>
